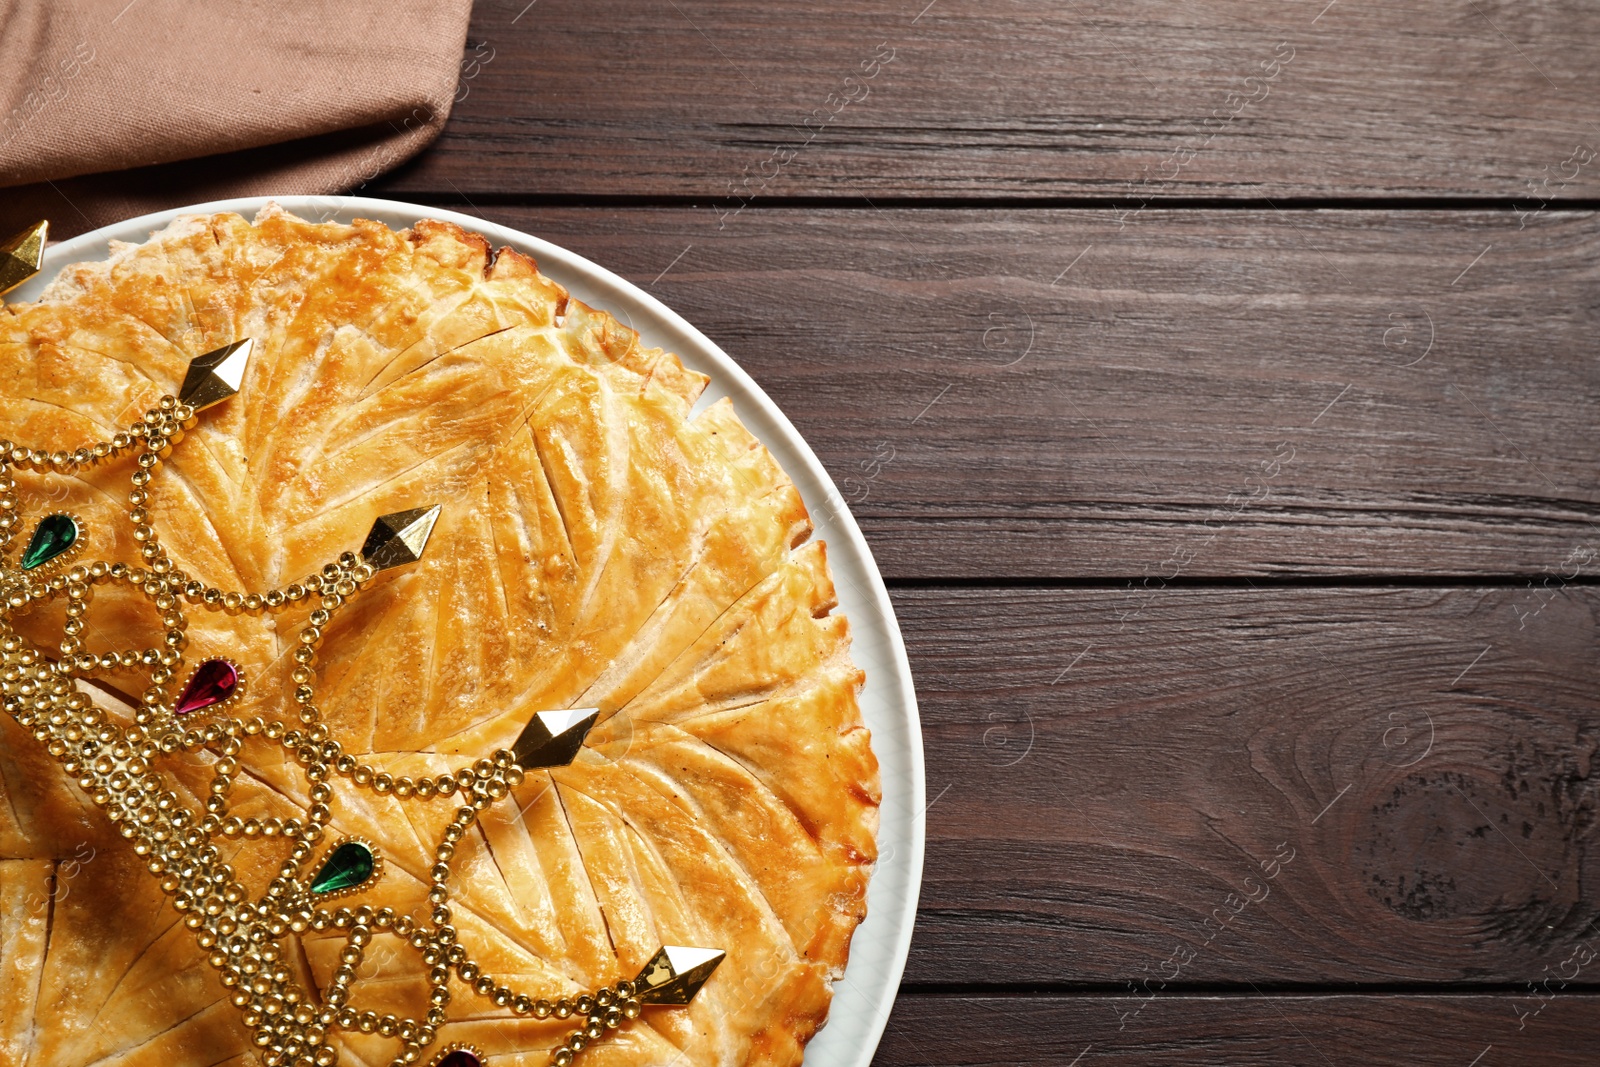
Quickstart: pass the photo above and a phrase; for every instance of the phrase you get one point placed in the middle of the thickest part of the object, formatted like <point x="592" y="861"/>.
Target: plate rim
<point x="849" y="1038"/>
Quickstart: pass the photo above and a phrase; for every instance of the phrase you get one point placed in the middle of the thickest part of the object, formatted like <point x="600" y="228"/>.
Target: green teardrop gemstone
<point x="55" y="534"/>
<point x="350" y="864"/>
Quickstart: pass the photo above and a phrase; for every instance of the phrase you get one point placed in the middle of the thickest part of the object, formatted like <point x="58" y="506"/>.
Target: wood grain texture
<point x="1241" y="1031"/>
<point x="1022" y="99"/>
<point x="1042" y="394"/>
<point x="1159" y="395"/>
<point x="1239" y="786"/>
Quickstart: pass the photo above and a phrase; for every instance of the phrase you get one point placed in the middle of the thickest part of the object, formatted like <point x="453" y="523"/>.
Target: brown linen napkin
<point x="255" y="96"/>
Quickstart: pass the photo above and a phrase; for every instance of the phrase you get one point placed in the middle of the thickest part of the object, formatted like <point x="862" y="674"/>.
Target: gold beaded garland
<point x="112" y="762"/>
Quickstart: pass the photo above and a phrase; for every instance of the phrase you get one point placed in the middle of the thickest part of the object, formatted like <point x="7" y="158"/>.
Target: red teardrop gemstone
<point x="458" y="1058"/>
<point x="213" y="682"/>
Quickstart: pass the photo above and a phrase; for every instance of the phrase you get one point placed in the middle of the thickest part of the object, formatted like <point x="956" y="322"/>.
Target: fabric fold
<point x="189" y="102"/>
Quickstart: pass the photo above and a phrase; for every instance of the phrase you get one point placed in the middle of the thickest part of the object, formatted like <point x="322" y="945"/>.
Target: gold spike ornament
<point x="21" y="256"/>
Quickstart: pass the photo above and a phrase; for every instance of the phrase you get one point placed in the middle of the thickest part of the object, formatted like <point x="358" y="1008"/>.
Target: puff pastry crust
<point x="598" y="546"/>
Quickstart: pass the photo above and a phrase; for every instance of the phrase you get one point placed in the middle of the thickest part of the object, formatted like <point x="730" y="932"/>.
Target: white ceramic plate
<point x="864" y="997"/>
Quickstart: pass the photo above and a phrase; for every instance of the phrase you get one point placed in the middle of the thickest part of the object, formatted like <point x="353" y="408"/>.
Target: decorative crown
<point x="115" y="758"/>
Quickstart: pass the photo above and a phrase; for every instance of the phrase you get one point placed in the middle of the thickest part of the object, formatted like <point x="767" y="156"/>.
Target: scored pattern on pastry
<point x="597" y="548"/>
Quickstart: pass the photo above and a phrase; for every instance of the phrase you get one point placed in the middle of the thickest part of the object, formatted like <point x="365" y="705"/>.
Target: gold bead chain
<point x="113" y="761"/>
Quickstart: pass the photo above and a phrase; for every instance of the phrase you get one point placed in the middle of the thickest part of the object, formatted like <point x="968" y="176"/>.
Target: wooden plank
<point x="1043" y="394"/>
<point x="1249" y="1031"/>
<point x="1234" y="786"/>
<point x="1024" y="99"/>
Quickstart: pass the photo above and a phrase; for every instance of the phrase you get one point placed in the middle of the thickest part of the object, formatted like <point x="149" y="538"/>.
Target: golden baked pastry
<point x="596" y="545"/>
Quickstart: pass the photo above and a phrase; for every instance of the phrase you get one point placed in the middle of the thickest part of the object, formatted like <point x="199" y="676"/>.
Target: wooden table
<point x="1216" y="384"/>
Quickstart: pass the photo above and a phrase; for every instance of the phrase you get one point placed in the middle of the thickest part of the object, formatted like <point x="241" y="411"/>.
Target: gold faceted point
<point x="215" y="376"/>
<point x="553" y="738"/>
<point x="22" y="255"/>
<point x="399" y="538"/>
<point x="675" y="974"/>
